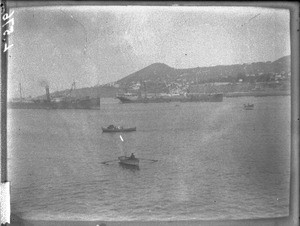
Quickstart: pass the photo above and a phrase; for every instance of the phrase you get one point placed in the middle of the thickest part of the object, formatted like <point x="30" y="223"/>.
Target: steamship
<point x="62" y="102"/>
<point x="187" y="97"/>
<point x="217" y="97"/>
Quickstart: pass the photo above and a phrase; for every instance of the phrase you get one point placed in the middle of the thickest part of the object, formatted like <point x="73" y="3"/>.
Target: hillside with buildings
<point x="159" y="78"/>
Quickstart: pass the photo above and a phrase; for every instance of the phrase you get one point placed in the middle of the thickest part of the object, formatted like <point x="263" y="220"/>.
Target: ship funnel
<point x="47" y="93"/>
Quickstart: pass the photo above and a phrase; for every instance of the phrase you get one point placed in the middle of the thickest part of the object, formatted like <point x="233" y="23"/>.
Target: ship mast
<point x="20" y="90"/>
<point x="145" y="89"/>
<point x="98" y="95"/>
<point x="73" y="87"/>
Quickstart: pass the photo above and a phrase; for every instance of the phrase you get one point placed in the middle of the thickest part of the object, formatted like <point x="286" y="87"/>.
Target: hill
<point x="159" y="72"/>
<point x="161" y="78"/>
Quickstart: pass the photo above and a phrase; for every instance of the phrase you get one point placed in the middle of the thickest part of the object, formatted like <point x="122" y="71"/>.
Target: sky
<point x="94" y="45"/>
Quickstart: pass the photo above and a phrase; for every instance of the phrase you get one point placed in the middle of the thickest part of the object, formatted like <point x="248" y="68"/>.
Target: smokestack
<point x="20" y="87"/>
<point x="47" y="93"/>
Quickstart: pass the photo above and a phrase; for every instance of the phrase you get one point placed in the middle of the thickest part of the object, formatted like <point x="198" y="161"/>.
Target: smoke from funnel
<point x="47" y="93"/>
<point x="44" y="83"/>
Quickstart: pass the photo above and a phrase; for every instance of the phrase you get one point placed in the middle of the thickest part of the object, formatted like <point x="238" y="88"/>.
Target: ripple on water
<point x="215" y="162"/>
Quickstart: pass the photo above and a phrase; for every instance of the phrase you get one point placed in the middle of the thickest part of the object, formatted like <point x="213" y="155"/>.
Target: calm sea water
<point x="215" y="161"/>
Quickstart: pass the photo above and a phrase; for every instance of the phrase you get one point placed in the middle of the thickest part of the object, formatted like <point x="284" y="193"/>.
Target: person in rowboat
<point x="111" y="127"/>
<point x="132" y="156"/>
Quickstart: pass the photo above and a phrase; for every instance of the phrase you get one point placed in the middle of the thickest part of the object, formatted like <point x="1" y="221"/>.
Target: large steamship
<point x="218" y="97"/>
<point x="61" y="102"/>
<point x="186" y="97"/>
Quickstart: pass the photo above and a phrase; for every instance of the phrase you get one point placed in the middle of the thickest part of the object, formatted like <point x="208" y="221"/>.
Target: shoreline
<point x="16" y="221"/>
<point x="257" y="94"/>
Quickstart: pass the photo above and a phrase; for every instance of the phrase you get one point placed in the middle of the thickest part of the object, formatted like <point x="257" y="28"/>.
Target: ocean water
<point x="215" y="161"/>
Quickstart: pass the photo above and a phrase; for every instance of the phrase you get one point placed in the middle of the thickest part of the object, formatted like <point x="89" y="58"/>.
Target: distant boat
<point x="132" y="161"/>
<point x="248" y="106"/>
<point x="115" y="129"/>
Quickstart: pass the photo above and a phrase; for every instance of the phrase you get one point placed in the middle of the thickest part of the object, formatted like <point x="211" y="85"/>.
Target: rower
<point x="132" y="156"/>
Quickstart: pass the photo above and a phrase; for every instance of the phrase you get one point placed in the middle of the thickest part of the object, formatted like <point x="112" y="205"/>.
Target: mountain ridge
<point x="160" y="77"/>
<point x="160" y="72"/>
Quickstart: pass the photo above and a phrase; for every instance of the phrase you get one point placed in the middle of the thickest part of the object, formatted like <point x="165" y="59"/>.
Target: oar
<point x="105" y="162"/>
<point x="153" y="160"/>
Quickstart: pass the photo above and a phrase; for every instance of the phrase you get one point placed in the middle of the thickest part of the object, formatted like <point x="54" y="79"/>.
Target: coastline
<point x="258" y="94"/>
<point x="17" y="221"/>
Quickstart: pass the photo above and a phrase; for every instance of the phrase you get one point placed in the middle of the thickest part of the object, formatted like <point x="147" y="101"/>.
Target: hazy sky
<point x="95" y="45"/>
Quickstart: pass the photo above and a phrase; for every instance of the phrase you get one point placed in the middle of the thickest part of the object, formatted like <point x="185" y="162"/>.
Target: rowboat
<point x="128" y="161"/>
<point x="118" y="129"/>
<point x="248" y="106"/>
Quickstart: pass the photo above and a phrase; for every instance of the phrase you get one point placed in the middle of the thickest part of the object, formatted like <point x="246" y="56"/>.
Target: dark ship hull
<point x="62" y="102"/>
<point x="126" y="100"/>
<point x="204" y="98"/>
<point x="189" y="98"/>
<point x="116" y="130"/>
<point x="43" y="104"/>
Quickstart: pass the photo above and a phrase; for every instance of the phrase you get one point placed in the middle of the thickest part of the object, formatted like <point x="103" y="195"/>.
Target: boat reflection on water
<point x="129" y="167"/>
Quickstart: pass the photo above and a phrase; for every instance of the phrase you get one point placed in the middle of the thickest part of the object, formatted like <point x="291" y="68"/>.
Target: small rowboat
<point x="118" y="129"/>
<point x="128" y="161"/>
<point x="248" y="106"/>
